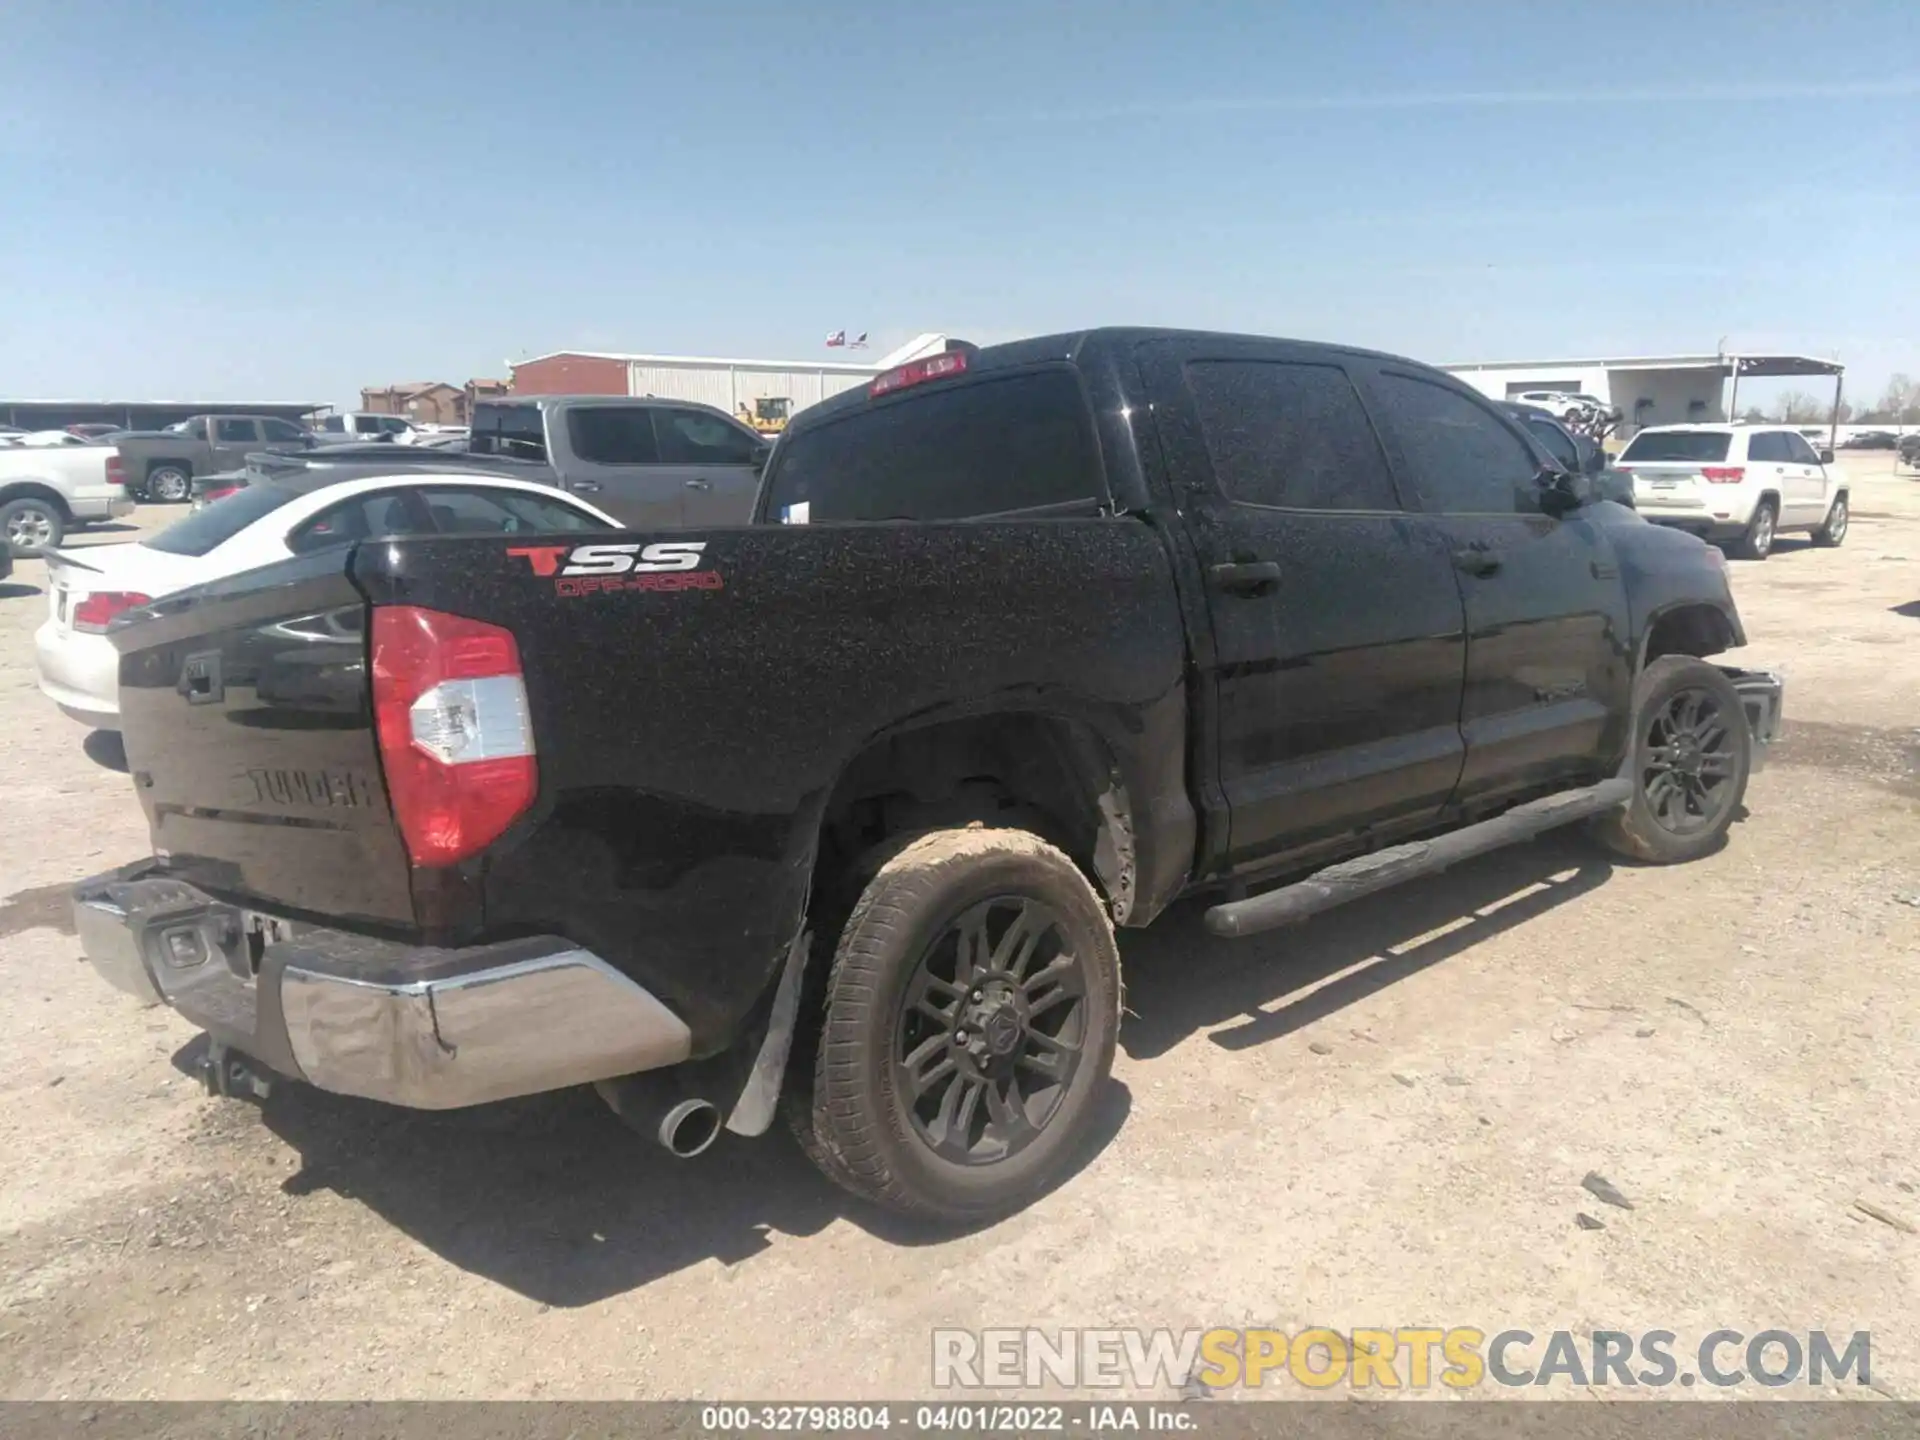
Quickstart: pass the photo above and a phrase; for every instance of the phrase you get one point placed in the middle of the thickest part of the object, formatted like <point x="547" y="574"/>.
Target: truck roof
<point x="1074" y="345"/>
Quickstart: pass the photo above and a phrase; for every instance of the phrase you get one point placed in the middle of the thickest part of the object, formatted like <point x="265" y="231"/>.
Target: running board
<point x="1351" y="879"/>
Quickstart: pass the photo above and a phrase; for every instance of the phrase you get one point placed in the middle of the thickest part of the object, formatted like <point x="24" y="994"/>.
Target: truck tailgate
<point x="249" y="732"/>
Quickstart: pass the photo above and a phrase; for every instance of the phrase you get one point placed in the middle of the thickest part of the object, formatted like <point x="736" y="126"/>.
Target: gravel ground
<point x="1382" y="1117"/>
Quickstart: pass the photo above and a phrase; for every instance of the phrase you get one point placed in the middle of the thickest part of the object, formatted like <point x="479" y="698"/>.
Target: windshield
<point x="1678" y="445"/>
<point x="201" y="531"/>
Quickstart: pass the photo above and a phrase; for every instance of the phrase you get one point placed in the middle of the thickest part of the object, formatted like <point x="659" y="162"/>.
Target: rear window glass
<point x="511" y="430"/>
<point x="1678" y="445"/>
<point x="220" y="521"/>
<point x="985" y="448"/>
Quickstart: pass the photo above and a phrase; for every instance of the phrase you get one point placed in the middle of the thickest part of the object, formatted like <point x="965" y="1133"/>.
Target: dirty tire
<point x="1635" y="831"/>
<point x="855" y="1121"/>
<point x="31" y="526"/>
<point x="1757" y="543"/>
<point x="169" y="484"/>
<point x="1834" y="529"/>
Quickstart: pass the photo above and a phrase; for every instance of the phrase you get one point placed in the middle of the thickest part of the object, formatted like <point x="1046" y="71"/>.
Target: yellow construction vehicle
<point x="768" y="414"/>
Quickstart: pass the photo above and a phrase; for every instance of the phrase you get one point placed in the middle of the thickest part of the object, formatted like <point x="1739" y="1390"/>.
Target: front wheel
<point x="31" y="525"/>
<point x="1835" y="528"/>
<point x="971" y="1016"/>
<point x="1692" y="752"/>
<point x="169" y="483"/>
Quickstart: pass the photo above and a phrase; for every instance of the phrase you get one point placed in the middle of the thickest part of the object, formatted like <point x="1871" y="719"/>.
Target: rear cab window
<point x="995" y="444"/>
<point x="1687" y="446"/>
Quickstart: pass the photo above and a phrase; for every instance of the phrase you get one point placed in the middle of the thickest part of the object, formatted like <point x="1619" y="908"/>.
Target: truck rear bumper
<point x="432" y="1029"/>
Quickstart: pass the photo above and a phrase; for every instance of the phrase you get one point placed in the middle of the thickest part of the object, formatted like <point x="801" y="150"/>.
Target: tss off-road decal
<point x="608" y="566"/>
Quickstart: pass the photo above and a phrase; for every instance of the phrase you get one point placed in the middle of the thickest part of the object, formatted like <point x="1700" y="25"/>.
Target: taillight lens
<point x="450" y="708"/>
<point x="918" y="372"/>
<point x="116" y="471"/>
<point x="93" y="613"/>
<point x="220" y="492"/>
<point x="1723" y="474"/>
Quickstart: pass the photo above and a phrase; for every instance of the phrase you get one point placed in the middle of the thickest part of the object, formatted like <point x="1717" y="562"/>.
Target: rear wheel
<point x="169" y="483"/>
<point x="32" y="525"/>
<point x="1692" y="753"/>
<point x="970" y="1021"/>
<point x="1835" y="529"/>
<point x="1757" y="543"/>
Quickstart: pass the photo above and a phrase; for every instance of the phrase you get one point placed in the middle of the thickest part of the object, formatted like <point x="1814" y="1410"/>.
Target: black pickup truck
<point x="836" y="812"/>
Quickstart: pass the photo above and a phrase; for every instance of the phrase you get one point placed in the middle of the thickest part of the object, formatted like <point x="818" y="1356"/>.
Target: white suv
<point x="1738" y="484"/>
<point x="1564" y="404"/>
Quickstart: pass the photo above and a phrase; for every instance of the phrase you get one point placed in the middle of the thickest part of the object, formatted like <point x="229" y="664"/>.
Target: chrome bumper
<point x="1762" y="695"/>
<point x="427" y="1028"/>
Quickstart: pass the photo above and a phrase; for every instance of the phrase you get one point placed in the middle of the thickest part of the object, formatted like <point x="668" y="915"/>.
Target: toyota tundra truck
<point x="835" y="814"/>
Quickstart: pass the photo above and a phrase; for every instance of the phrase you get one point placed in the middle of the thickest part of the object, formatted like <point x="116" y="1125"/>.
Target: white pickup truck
<point x="46" y="491"/>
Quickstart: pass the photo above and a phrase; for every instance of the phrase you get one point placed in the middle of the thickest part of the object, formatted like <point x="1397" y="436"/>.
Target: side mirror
<point x="1592" y="458"/>
<point x="1562" y="491"/>
<point x="1826" y="455"/>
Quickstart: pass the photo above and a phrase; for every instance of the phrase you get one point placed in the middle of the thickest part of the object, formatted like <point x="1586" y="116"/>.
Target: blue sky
<point x="272" y="200"/>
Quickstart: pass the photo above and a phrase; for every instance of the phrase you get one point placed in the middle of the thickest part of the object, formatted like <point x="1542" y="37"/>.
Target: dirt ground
<point x="1382" y="1117"/>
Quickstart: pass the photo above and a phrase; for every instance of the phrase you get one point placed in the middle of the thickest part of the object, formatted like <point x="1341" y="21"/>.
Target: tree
<point x="1754" y="416"/>
<point x="1900" y="403"/>
<point x="1796" y="407"/>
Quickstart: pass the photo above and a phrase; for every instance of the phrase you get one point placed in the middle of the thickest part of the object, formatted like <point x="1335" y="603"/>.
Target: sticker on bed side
<point x="799" y="514"/>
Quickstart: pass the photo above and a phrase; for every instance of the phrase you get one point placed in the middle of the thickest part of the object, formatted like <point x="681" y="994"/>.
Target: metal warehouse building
<point x="1649" y="390"/>
<point x="725" y="384"/>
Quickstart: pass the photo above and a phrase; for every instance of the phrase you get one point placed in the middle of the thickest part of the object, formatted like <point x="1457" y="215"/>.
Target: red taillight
<point x="918" y="372"/>
<point x="93" y="613"/>
<point x="220" y="492"/>
<point x="116" y="470"/>
<point x="451" y="712"/>
<point x="1723" y="474"/>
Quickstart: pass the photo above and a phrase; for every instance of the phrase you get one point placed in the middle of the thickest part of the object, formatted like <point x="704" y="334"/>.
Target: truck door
<point x="715" y="460"/>
<point x="1549" y="668"/>
<point x="1337" y="623"/>
<point x="233" y="436"/>
<point x="608" y="454"/>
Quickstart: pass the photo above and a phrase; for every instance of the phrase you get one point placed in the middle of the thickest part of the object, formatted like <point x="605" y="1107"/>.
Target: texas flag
<point x="838" y="337"/>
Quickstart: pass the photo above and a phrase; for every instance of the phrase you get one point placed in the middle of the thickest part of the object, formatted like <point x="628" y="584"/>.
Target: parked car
<point x="161" y="464"/>
<point x="1576" y="454"/>
<point x="1738" y="484"/>
<point x="93" y="431"/>
<point x="45" y="491"/>
<point x="1910" y="450"/>
<point x="364" y="425"/>
<point x="328" y="464"/>
<point x="1023" y="643"/>
<point x="1872" y="440"/>
<point x="77" y="666"/>
<point x="651" y="462"/>
<point x="1564" y="404"/>
<point x="36" y="438"/>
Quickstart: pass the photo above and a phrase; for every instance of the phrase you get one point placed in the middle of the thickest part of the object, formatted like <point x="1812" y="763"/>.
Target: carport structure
<point x="1652" y="389"/>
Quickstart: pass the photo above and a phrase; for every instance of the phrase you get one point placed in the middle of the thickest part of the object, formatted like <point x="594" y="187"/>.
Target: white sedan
<point x="79" y="668"/>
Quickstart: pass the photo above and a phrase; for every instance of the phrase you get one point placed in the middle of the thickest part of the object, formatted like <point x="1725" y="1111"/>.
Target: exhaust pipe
<point x="689" y="1128"/>
<point x="663" y="1107"/>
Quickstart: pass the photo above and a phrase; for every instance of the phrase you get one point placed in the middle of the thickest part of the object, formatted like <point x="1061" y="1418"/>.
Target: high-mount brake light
<point x="450" y="709"/>
<point x="918" y="372"/>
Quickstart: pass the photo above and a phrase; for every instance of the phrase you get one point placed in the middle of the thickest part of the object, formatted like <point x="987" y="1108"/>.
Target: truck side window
<point x="688" y="437"/>
<point x="944" y="453"/>
<point x="1557" y="442"/>
<point x="1289" y="435"/>
<point x="515" y="431"/>
<point x="231" y="431"/>
<point x="1463" y="459"/>
<point x="613" y="434"/>
<point x="279" y="430"/>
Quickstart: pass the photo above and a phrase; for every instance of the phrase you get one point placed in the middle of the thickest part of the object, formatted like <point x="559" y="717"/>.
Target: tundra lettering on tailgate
<point x="598" y="568"/>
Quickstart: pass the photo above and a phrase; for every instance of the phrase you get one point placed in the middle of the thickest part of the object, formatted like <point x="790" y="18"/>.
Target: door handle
<point x="1245" y="577"/>
<point x="699" y="484"/>
<point x="1476" y="559"/>
<point x="586" y="487"/>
